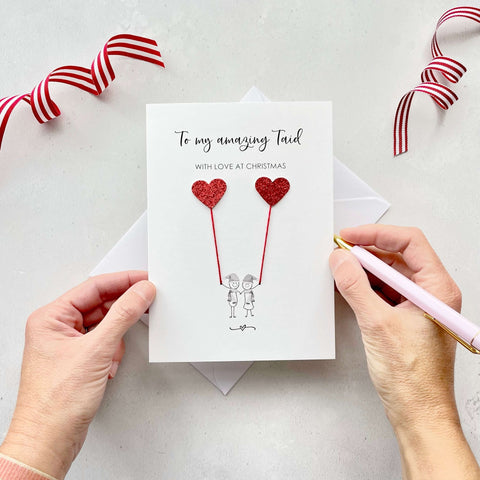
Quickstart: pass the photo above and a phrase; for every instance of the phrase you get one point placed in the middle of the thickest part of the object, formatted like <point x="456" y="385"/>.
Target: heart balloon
<point x="209" y="193"/>
<point x="272" y="192"/>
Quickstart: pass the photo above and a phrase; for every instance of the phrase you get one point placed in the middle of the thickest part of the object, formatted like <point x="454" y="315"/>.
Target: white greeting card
<point x="240" y="218"/>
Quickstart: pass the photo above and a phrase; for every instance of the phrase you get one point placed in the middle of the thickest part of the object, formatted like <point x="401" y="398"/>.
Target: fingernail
<point x="145" y="289"/>
<point x="113" y="369"/>
<point x="337" y="257"/>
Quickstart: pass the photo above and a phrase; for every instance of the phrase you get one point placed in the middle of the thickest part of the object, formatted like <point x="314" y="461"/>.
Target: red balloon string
<point x="265" y="245"/>
<point x="216" y="247"/>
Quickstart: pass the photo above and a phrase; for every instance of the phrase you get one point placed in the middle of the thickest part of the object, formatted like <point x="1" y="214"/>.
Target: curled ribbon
<point x="93" y="80"/>
<point x="443" y="96"/>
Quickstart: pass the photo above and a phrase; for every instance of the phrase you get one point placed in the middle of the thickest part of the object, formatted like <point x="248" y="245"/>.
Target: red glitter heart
<point x="209" y="193"/>
<point x="272" y="192"/>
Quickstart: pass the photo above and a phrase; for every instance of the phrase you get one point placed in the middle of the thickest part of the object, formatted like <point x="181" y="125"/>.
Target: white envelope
<point x="355" y="203"/>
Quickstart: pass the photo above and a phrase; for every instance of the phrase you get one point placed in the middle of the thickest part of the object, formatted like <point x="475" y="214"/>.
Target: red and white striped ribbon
<point x="443" y="96"/>
<point x="472" y="13"/>
<point x="448" y="67"/>
<point x="94" y="80"/>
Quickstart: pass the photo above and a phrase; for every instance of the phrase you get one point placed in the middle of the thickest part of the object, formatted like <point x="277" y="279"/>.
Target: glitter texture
<point x="272" y="192"/>
<point x="209" y="193"/>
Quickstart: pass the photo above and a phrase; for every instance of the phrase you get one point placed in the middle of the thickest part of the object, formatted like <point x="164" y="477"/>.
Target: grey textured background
<point x="69" y="189"/>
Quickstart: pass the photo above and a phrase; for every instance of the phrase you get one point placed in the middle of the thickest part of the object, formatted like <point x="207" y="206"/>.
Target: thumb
<point x="124" y="313"/>
<point x="352" y="282"/>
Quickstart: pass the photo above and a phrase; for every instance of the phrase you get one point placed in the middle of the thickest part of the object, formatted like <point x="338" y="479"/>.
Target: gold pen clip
<point x="461" y="341"/>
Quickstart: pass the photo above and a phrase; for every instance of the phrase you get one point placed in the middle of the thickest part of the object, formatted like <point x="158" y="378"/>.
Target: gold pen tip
<point x="342" y="243"/>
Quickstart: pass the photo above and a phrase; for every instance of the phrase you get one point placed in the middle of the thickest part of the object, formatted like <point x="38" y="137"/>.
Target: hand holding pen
<point x="410" y="359"/>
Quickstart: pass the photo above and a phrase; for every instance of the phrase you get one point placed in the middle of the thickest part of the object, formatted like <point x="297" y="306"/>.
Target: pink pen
<point x="461" y="329"/>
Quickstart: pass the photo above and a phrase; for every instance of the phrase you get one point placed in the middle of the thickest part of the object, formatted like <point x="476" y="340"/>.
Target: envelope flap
<point x="358" y="211"/>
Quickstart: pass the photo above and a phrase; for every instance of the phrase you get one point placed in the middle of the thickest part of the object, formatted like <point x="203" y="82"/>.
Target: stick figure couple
<point x="247" y="292"/>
